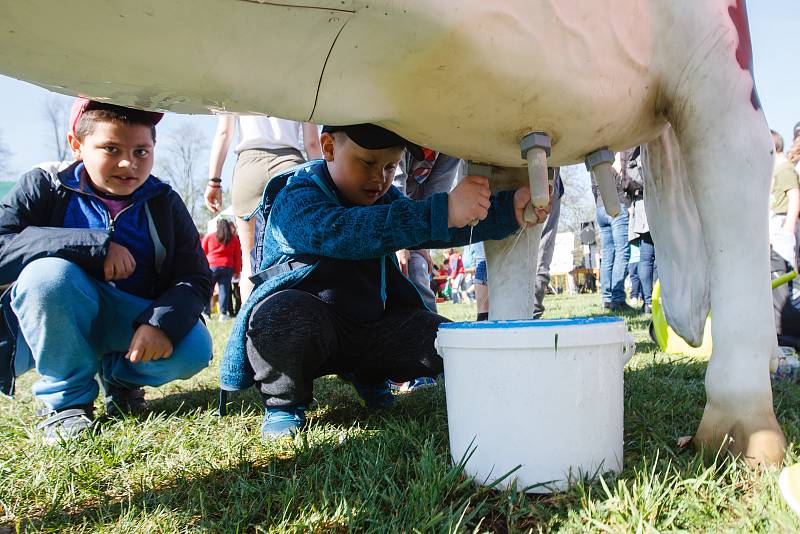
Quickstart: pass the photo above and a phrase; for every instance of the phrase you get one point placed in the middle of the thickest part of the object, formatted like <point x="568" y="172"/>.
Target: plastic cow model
<point x="512" y="84"/>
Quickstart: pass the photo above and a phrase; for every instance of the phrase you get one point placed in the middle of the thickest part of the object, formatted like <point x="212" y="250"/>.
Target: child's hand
<point x="149" y="343"/>
<point x="119" y="263"/>
<point x="469" y="201"/>
<point x="522" y="200"/>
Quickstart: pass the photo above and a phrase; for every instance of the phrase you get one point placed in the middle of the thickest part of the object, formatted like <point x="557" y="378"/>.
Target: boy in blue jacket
<point x="108" y="274"/>
<point x="330" y="297"/>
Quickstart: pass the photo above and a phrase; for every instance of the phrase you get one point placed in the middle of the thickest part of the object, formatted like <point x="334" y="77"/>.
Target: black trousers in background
<point x="293" y="337"/>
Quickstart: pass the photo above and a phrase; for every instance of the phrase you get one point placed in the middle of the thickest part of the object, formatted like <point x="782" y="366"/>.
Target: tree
<point x="5" y="161"/>
<point x="577" y="204"/>
<point x="56" y="113"/>
<point x="183" y="162"/>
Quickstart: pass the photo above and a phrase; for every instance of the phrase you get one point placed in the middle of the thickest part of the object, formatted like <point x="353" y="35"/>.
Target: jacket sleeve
<point x="25" y="214"/>
<point x="177" y="310"/>
<point x="499" y="223"/>
<point x="304" y="220"/>
<point x="237" y="255"/>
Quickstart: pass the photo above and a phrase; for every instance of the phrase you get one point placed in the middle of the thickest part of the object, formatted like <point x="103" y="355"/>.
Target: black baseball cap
<point x="374" y="137"/>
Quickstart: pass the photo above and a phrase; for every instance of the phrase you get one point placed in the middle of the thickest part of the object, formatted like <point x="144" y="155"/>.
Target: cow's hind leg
<point x="725" y="145"/>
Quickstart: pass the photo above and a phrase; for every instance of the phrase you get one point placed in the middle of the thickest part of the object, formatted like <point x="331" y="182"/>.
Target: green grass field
<point x="182" y="469"/>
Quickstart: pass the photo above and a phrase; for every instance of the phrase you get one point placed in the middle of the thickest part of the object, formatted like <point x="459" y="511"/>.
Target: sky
<point x="775" y="32"/>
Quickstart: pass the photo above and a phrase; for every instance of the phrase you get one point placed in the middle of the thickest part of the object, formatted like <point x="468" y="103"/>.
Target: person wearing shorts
<point x="481" y="281"/>
<point x="267" y="146"/>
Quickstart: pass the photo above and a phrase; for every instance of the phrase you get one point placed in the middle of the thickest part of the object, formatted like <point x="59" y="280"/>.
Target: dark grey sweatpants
<point x="547" y="246"/>
<point x="293" y="337"/>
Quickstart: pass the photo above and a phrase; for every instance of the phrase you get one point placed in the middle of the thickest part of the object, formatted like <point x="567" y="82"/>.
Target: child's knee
<point x="50" y="275"/>
<point x="290" y="308"/>
<point x="51" y="281"/>
<point x="193" y="353"/>
<point x="290" y="321"/>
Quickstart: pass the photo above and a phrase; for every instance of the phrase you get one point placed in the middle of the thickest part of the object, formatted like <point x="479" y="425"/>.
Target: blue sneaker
<point x="371" y="396"/>
<point x="280" y="422"/>
<point x="421" y="383"/>
<point x="413" y="385"/>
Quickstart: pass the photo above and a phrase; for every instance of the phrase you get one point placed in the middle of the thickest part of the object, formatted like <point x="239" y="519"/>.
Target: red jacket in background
<point x="220" y="255"/>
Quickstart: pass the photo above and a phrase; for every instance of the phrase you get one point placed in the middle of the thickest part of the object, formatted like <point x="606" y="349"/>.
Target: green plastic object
<point x="671" y="343"/>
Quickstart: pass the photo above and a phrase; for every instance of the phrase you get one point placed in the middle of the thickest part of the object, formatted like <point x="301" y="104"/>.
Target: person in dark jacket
<point x="108" y="274"/>
<point x="331" y="298"/>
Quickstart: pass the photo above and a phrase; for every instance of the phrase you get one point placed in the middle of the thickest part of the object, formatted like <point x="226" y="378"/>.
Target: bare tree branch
<point x="5" y="160"/>
<point x="577" y="204"/>
<point x="56" y="113"/>
<point x="183" y="163"/>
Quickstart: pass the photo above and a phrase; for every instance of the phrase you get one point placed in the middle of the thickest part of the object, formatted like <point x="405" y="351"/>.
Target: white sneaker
<point x="224" y="317"/>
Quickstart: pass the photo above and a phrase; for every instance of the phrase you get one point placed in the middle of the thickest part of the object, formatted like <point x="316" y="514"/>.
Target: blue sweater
<point x="308" y="219"/>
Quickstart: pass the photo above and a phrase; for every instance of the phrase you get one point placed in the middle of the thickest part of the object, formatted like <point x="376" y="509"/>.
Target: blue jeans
<point x="647" y="267"/>
<point x="636" y="283"/>
<point x="616" y="253"/>
<point x="74" y="326"/>
<point x="222" y="276"/>
<point x="419" y="276"/>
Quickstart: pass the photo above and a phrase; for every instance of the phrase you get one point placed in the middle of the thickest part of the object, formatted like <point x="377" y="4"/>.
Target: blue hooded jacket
<point x="307" y="219"/>
<point x="48" y="214"/>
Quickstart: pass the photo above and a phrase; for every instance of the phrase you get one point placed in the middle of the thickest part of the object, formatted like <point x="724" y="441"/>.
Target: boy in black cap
<point x="330" y="298"/>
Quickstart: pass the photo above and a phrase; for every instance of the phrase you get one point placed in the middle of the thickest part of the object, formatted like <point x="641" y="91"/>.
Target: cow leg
<point x="726" y="147"/>
<point x="511" y="263"/>
<point x="731" y="185"/>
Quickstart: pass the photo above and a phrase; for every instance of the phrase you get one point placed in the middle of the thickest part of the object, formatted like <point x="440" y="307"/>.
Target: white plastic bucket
<point x="542" y="398"/>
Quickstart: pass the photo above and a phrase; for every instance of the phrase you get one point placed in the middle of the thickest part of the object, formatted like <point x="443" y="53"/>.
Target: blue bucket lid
<point x="532" y="323"/>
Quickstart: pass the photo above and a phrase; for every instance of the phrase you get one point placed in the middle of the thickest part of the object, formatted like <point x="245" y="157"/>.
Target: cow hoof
<point x="759" y="440"/>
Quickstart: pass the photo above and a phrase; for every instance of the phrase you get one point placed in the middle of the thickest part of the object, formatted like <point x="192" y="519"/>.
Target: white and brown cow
<point x="471" y="78"/>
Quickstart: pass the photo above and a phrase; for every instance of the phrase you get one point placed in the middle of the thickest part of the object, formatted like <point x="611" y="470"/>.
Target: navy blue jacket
<point x="32" y="218"/>
<point x="307" y="220"/>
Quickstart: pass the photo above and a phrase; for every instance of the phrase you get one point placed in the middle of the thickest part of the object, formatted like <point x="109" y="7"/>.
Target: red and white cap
<point x="84" y="104"/>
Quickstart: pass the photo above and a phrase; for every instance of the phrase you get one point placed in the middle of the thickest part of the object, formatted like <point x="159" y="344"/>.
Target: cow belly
<point x="469" y="77"/>
<point x="472" y="77"/>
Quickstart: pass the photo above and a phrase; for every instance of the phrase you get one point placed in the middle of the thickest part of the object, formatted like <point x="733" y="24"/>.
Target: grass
<point x="181" y="469"/>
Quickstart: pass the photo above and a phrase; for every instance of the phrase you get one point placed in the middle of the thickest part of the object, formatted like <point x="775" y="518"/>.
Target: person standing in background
<point x="418" y="179"/>
<point x="458" y="292"/>
<point x="638" y="228"/>
<point x="615" y="247"/>
<point x="547" y="245"/>
<point x="481" y="281"/>
<point x="637" y="296"/>
<point x="793" y="154"/>
<point x="784" y="204"/>
<point x="267" y="146"/>
<point x="224" y="254"/>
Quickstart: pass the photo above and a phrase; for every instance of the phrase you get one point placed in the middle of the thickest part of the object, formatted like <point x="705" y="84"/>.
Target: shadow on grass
<point x="389" y="472"/>
<point x="664" y="400"/>
<point x="392" y="471"/>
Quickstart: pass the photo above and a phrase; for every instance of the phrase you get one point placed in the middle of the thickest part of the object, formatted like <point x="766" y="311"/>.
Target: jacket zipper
<point x="112" y="220"/>
<point x="383" y="281"/>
